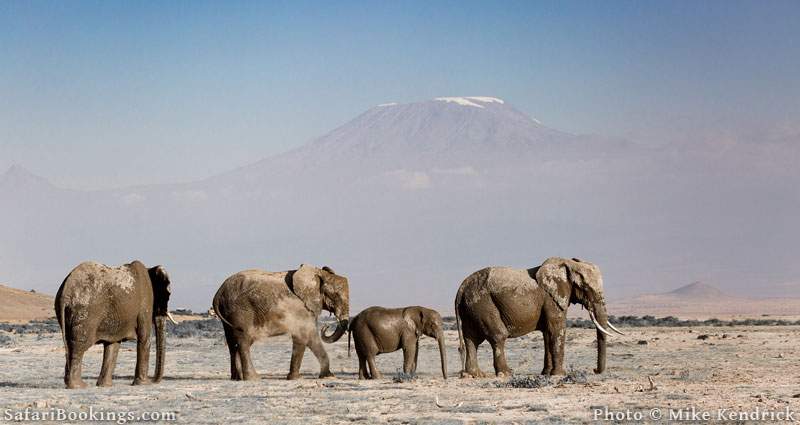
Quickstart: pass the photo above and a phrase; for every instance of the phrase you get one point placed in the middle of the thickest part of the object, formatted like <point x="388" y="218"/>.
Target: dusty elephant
<point x="385" y="330"/>
<point x="254" y="303"/>
<point x="100" y="304"/>
<point x="498" y="303"/>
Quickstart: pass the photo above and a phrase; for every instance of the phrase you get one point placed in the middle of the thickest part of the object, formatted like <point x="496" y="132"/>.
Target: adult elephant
<point x="254" y="303"/>
<point x="108" y="305"/>
<point x="497" y="303"/>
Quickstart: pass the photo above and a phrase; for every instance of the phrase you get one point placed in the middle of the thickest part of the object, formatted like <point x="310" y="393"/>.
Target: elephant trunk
<point x="442" y="353"/>
<point x="161" y="337"/>
<point x="602" y="319"/>
<point x="341" y="328"/>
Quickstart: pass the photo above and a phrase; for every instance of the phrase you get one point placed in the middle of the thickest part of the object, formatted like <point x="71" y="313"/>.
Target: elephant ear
<point x="305" y="284"/>
<point x="552" y="275"/>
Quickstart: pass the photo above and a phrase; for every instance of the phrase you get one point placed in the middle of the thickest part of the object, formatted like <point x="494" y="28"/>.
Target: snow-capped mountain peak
<point x="470" y="100"/>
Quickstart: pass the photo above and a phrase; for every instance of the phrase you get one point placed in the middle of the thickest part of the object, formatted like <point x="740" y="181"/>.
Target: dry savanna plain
<point x="670" y="369"/>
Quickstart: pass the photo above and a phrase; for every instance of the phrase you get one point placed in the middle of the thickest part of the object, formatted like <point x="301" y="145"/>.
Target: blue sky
<point x="99" y="94"/>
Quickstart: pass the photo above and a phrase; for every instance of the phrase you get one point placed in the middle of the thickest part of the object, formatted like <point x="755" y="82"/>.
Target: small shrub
<point x="574" y="376"/>
<point x="519" y="381"/>
<point x="6" y="340"/>
<point x="402" y="377"/>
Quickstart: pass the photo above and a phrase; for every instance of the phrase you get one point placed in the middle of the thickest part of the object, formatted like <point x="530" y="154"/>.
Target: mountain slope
<point x="701" y="300"/>
<point x="408" y="199"/>
<point x="22" y="306"/>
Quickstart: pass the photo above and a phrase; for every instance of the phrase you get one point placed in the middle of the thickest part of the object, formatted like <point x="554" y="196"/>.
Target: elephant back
<point x="257" y="291"/>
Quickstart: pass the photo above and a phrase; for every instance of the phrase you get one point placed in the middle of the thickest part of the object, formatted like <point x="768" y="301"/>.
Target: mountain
<point x="408" y="199"/>
<point x="19" y="305"/>
<point x="703" y="301"/>
<point x="698" y="291"/>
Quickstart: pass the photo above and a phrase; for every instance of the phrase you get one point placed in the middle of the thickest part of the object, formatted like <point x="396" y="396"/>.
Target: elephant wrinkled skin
<point x="254" y="303"/>
<point x="497" y="303"/>
<point x="100" y="304"/>
<point x="384" y="330"/>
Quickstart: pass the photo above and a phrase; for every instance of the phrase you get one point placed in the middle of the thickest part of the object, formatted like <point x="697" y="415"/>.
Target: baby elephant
<point x="384" y="330"/>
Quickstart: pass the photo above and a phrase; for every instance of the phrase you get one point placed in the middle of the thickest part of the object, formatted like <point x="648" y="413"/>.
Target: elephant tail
<point x="215" y="308"/>
<point x="461" y="351"/>
<point x="59" y="307"/>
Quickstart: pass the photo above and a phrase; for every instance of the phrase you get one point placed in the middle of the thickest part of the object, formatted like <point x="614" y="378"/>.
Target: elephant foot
<point x="250" y="377"/>
<point x="74" y="385"/>
<point x="104" y="383"/>
<point x="472" y="374"/>
<point x="546" y="371"/>
<point x="558" y="371"/>
<point x="141" y="381"/>
<point x="326" y="375"/>
<point x="505" y="373"/>
<point x="292" y="376"/>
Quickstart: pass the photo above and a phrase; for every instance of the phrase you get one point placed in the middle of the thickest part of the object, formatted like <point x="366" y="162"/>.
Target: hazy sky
<point x="100" y="94"/>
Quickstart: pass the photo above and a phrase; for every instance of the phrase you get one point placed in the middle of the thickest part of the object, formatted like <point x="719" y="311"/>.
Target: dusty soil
<point x="740" y="368"/>
<point x="21" y="306"/>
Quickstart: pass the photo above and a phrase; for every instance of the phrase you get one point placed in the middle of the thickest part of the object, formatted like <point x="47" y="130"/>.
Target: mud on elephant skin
<point x="497" y="303"/>
<point x="255" y="304"/>
<point x="109" y="305"/>
<point x="385" y="330"/>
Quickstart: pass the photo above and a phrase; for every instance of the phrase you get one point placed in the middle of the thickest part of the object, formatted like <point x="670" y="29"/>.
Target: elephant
<point x="496" y="303"/>
<point x="385" y="330"/>
<point x="101" y="304"/>
<point x="254" y="303"/>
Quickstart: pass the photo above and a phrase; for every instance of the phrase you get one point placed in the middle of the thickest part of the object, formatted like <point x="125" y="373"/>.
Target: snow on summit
<point x="470" y="100"/>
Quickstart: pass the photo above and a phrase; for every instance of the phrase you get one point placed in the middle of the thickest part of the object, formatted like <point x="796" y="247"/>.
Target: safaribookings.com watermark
<point x="56" y="414"/>
<point x="692" y="414"/>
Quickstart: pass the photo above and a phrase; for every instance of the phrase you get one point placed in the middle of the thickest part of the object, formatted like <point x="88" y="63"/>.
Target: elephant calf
<point x="385" y="330"/>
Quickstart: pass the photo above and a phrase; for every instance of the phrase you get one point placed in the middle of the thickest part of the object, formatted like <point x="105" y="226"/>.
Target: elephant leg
<point x="72" y="369"/>
<point x="555" y="340"/>
<point x="409" y="353"/>
<point x="548" y="358"/>
<point x="246" y="361"/>
<point x="362" y="367"/>
<point x="416" y="357"/>
<point x="236" y="363"/>
<point x="501" y="368"/>
<point x="374" y="373"/>
<point x="142" y="353"/>
<point x="110" y="350"/>
<point x="322" y="357"/>
<point x="298" y="348"/>
<point x="471" y="369"/>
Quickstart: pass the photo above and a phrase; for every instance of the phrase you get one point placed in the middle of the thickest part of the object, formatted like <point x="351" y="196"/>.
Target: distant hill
<point x="17" y="305"/>
<point x="699" y="291"/>
<point x="701" y="300"/>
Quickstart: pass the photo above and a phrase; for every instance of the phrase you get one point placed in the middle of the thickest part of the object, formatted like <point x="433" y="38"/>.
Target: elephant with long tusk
<point x="497" y="303"/>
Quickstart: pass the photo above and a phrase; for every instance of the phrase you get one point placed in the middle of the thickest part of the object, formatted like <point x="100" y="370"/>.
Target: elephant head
<point x="428" y="322"/>
<point x="322" y="289"/>
<point x="578" y="282"/>
<point x="161" y="292"/>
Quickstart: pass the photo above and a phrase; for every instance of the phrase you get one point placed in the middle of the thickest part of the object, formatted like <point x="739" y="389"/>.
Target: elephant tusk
<point x="597" y="324"/>
<point x="171" y="319"/>
<point x="442" y="406"/>
<point x="613" y="328"/>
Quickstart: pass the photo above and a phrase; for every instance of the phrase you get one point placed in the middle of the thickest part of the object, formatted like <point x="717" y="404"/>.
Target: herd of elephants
<point x="98" y="304"/>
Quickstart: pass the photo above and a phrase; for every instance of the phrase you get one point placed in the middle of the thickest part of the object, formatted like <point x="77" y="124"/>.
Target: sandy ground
<point x="751" y="367"/>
